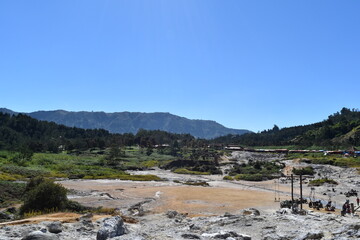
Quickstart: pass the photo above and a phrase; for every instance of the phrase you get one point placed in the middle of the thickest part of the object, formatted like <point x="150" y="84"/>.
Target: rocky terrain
<point x="222" y="209"/>
<point x="249" y="224"/>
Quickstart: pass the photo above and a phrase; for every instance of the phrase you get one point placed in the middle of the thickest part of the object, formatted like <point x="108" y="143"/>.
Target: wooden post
<point x="292" y="192"/>
<point x="292" y="187"/>
<point x="301" y="197"/>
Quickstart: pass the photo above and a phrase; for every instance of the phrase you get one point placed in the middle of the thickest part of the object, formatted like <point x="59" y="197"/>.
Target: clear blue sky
<point x="245" y="64"/>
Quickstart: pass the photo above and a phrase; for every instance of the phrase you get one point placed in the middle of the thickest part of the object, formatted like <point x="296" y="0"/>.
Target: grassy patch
<point x="186" y="171"/>
<point x="256" y="167"/>
<point x="9" y="177"/>
<point x="27" y="172"/>
<point x="322" y="181"/>
<point x="320" y="158"/>
<point x="150" y="164"/>
<point x="230" y="178"/>
<point x="88" y="164"/>
<point x="252" y="177"/>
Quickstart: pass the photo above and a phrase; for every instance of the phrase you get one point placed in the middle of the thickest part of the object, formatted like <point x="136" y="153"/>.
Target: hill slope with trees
<point x="19" y="131"/>
<point x="132" y="122"/>
<point x="339" y="129"/>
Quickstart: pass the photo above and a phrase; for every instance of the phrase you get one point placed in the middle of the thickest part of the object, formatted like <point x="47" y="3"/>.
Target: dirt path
<point x="63" y="217"/>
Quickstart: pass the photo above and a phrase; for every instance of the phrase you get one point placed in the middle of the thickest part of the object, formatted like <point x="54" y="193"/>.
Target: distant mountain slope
<point x="8" y="111"/>
<point x="339" y="129"/>
<point x="131" y="122"/>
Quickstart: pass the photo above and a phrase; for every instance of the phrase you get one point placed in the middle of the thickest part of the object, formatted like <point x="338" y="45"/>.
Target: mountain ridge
<point x="132" y="122"/>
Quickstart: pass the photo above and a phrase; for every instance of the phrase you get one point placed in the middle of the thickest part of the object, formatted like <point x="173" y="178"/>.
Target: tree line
<point x="23" y="132"/>
<point x="340" y="129"/>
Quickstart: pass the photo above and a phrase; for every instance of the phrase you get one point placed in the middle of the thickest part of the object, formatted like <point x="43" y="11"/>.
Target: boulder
<point x="190" y="236"/>
<point x="313" y="236"/>
<point x="226" y="235"/>
<point x="171" y="214"/>
<point x="55" y="227"/>
<point x="250" y="211"/>
<point x="111" y="227"/>
<point x="38" y="235"/>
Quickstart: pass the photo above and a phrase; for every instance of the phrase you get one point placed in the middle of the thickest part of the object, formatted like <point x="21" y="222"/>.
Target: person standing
<point x="357" y="200"/>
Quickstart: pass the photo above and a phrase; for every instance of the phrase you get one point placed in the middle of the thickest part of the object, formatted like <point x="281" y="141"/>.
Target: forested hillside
<point x="21" y="131"/>
<point x="132" y="122"/>
<point x="340" y="129"/>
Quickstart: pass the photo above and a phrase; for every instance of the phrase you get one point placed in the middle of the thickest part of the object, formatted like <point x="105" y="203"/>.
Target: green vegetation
<point x="322" y="181"/>
<point x="185" y="171"/>
<point x="252" y="177"/>
<point x="11" y="193"/>
<point x="85" y="164"/>
<point x="229" y="178"/>
<point x="44" y="195"/>
<point x="341" y="129"/>
<point x="320" y="158"/>
<point x="256" y="170"/>
<point x="304" y="171"/>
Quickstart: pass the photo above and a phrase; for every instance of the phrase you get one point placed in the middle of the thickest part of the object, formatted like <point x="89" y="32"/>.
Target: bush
<point x="186" y="171"/>
<point x="322" y="181"/>
<point x="228" y="178"/>
<point x="44" y="195"/>
<point x="303" y="171"/>
<point x="24" y="171"/>
<point x="256" y="168"/>
<point x="250" y="177"/>
<point x="10" y="193"/>
<point x="75" y="206"/>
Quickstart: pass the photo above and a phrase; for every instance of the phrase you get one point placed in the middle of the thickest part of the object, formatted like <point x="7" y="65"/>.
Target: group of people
<point x="329" y="207"/>
<point x="348" y="207"/>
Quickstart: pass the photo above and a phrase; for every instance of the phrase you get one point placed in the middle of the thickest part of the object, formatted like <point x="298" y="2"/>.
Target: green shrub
<point x="24" y="171"/>
<point x="250" y="177"/>
<point x="43" y="195"/>
<point x="304" y="171"/>
<point x="75" y="206"/>
<point x="148" y="177"/>
<point x="256" y="167"/>
<point x="186" y="171"/>
<point x="10" y="192"/>
<point x="150" y="164"/>
<point x="8" y="177"/>
<point x="323" y="161"/>
<point x="322" y="181"/>
<point x="228" y="178"/>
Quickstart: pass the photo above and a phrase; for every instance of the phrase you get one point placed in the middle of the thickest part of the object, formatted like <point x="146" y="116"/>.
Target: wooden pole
<point x="292" y="191"/>
<point x="301" y="197"/>
<point x="292" y="187"/>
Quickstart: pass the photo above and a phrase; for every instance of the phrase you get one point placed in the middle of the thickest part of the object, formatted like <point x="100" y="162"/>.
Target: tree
<point x="114" y="156"/>
<point x="149" y="151"/>
<point x="275" y="128"/>
<point x="44" y="195"/>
